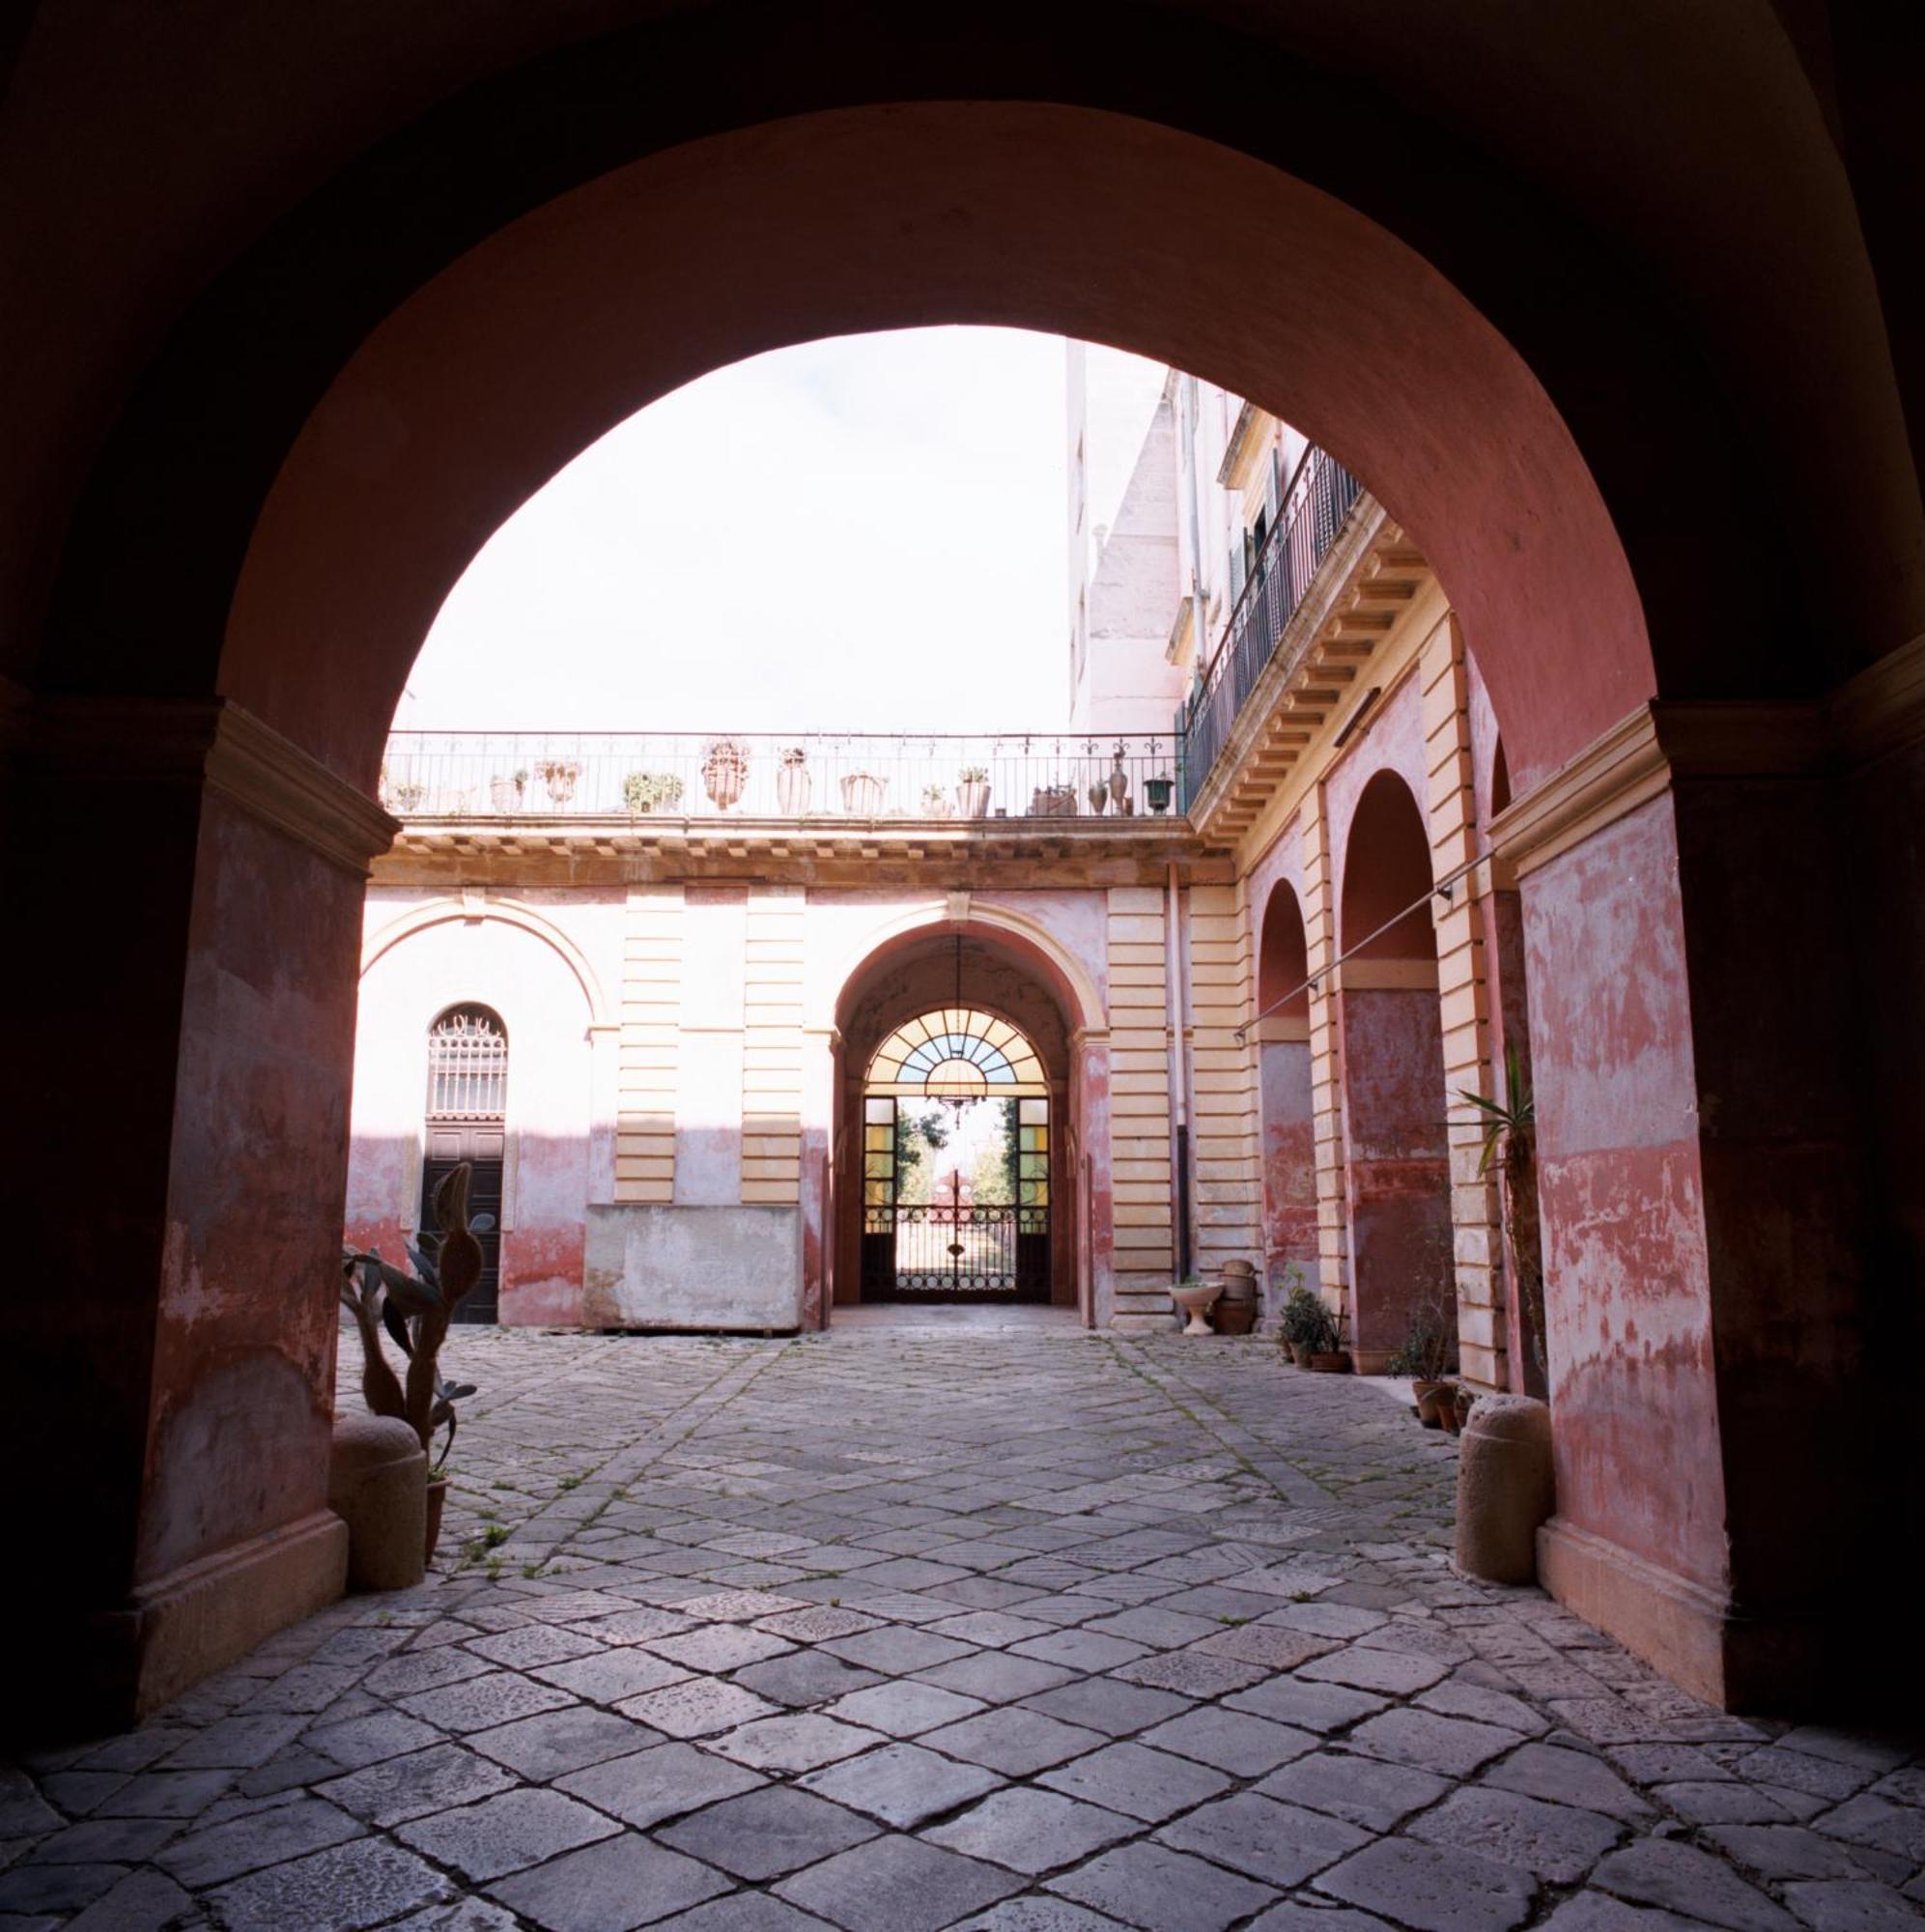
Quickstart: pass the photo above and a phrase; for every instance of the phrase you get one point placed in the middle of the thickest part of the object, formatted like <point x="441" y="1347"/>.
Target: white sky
<point x="865" y="533"/>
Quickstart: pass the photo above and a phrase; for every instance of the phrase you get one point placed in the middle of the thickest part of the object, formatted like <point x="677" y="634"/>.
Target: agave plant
<point x="416" y="1310"/>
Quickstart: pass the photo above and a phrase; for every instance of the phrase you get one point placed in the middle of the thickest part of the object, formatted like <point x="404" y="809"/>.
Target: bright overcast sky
<point x="865" y="533"/>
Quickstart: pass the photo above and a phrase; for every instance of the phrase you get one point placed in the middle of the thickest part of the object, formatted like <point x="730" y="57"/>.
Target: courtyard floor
<point x="967" y="1623"/>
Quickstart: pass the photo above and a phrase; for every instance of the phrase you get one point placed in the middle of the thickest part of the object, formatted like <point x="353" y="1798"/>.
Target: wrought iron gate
<point x="957" y="1251"/>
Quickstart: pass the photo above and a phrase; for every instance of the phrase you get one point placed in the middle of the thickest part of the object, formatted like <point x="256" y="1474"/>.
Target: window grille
<point x="467" y="1066"/>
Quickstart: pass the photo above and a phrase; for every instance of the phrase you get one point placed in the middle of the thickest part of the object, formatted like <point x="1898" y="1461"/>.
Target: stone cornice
<point x="1882" y="709"/>
<point x="215" y="743"/>
<point x="1644" y="755"/>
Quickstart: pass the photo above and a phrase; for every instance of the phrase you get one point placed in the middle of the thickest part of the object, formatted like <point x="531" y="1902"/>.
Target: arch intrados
<point x="502" y="368"/>
<point x="926" y="929"/>
<point x="1386" y="869"/>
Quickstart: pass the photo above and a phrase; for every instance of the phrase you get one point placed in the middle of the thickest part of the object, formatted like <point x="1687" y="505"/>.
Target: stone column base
<point x="1771" y="1663"/>
<point x="200" y="1618"/>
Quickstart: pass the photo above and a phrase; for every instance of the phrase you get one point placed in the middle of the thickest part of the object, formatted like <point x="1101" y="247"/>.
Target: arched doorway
<point x="1284" y="1083"/>
<point x="467" y="1120"/>
<point x="955" y="1163"/>
<point x="958" y="1108"/>
<point x="1391" y="1043"/>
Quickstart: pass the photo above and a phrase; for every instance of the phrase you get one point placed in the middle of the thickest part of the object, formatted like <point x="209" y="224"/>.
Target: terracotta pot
<point x="1447" y="1411"/>
<point x="722" y="779"/>
<point x="1100" y="798"/>
<point x="1331" y="1362"/>
<point x="1299" y="1354"/>
<point x="437" y="1496"/>
<point x="1429" y="1396"/>
<point x="1235" y="1317"/>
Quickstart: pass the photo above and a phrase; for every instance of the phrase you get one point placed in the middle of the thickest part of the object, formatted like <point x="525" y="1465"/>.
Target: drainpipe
<point x="1180" y="1072"/>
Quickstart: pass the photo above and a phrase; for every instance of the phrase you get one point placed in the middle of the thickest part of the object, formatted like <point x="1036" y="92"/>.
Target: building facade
<point x="1255" y="961"/>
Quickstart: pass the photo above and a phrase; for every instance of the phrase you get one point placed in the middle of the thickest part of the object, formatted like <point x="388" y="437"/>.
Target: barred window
<point x="467" y="1066"/>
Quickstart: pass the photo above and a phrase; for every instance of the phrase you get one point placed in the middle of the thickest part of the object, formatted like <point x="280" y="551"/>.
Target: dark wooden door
<point x="483" y="1146"/>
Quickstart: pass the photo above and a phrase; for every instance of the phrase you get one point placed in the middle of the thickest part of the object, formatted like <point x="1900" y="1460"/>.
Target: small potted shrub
<point x="1157" y="793"/>
<point x="558" y="777"/>
<point x="973" y="793"/>
<point x="725" y="771"/>
<point x="935" y="802"/>
<point x="1428" y="1356"/>
<point x="403" y="799"/>
<point x="863" y="795"/>
<point x="1312" y="1333"/>
<point x="792" y="782"/>
<point x="647" y="792"/>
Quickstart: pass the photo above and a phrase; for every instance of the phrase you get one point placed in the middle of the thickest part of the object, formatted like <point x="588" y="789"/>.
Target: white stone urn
<point x="1196" y="1300"/>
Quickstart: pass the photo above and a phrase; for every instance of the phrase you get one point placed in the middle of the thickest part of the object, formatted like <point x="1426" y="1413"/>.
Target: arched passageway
<point x="328" y="406"/>
<point x="1397" y="1157"/>
<point x="1005" y="1219"/>
<point x="1285" y="1097"/>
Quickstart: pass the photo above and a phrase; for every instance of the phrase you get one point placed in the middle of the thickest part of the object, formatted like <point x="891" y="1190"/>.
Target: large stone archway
<point x="243" y="509"/>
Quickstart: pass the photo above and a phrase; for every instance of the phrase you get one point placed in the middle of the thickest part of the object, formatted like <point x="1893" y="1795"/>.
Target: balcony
<point x="835" y="783"/>
<point x="1318" y="503"/>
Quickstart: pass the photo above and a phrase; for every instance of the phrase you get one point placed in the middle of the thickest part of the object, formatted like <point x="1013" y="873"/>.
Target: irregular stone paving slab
<point x="1112" y="1632"/>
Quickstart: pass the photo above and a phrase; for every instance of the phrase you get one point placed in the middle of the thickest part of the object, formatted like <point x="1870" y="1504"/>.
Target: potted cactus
<point x="792" y="782"/>
<point x="416" y="1310"/>
<point x="725" y="771"/>
<point x="973" y="793"/>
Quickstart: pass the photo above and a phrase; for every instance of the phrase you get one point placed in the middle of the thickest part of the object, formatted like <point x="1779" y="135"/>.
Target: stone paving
<point x="891" y="1629"/>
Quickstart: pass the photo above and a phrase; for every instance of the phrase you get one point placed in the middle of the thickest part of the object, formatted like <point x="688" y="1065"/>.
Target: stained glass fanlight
<point x="956" y="1054"/>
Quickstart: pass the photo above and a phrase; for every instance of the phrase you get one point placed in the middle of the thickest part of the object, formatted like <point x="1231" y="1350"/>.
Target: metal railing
<point x="507" y="775"/>
<point x="1315" y="506"/>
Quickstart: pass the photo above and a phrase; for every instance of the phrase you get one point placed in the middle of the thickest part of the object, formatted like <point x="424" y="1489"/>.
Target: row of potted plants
<point x="726" y="776"/>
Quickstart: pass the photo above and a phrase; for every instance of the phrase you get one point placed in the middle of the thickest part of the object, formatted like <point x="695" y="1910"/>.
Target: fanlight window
<point x="467" y="1066"/>
<point x="957" y="1053"/>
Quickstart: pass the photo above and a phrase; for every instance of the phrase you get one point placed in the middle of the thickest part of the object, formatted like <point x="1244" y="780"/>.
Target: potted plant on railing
<point x="725" y="771"/>
<point x="403" y="799"/>
<point x="863" y="795"/>
<point x="973" y="793"/>
<point x="416" y="1310"/>
<point x="505" y="789"/>
<point x="935" y="802"/>
<point x="648" y="792"/>
<point x="1057" y="801"/>
<point x="792" y="782"/>
<point x="1158" y="794"/>
<point x="558" y="777"/>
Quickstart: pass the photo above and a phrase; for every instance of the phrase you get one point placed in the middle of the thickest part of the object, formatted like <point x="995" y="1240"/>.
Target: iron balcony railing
<point x="456" y="775"/>
<point x="1315" y="506"/>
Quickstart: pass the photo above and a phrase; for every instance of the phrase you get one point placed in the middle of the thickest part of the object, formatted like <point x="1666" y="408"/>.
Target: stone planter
<point x="1234" y="1318"/>
<point x="438" y="1499"/>
<point x="792" y="788"/>
<point x="504" y="795"/>
<point x="1329" y="1362"/>
<point x="1053" y="801"/>
<point x="724" y="776"/>
<point x="1196" y="1301"/>
<point x="558" y="780"/>
<point x="863" y="795"/>
<point x="973" y="799"/>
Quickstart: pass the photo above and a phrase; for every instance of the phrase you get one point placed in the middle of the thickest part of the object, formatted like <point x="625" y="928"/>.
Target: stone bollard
<point x="1505" y="1488"/>
<point x="378" y="1485"/>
